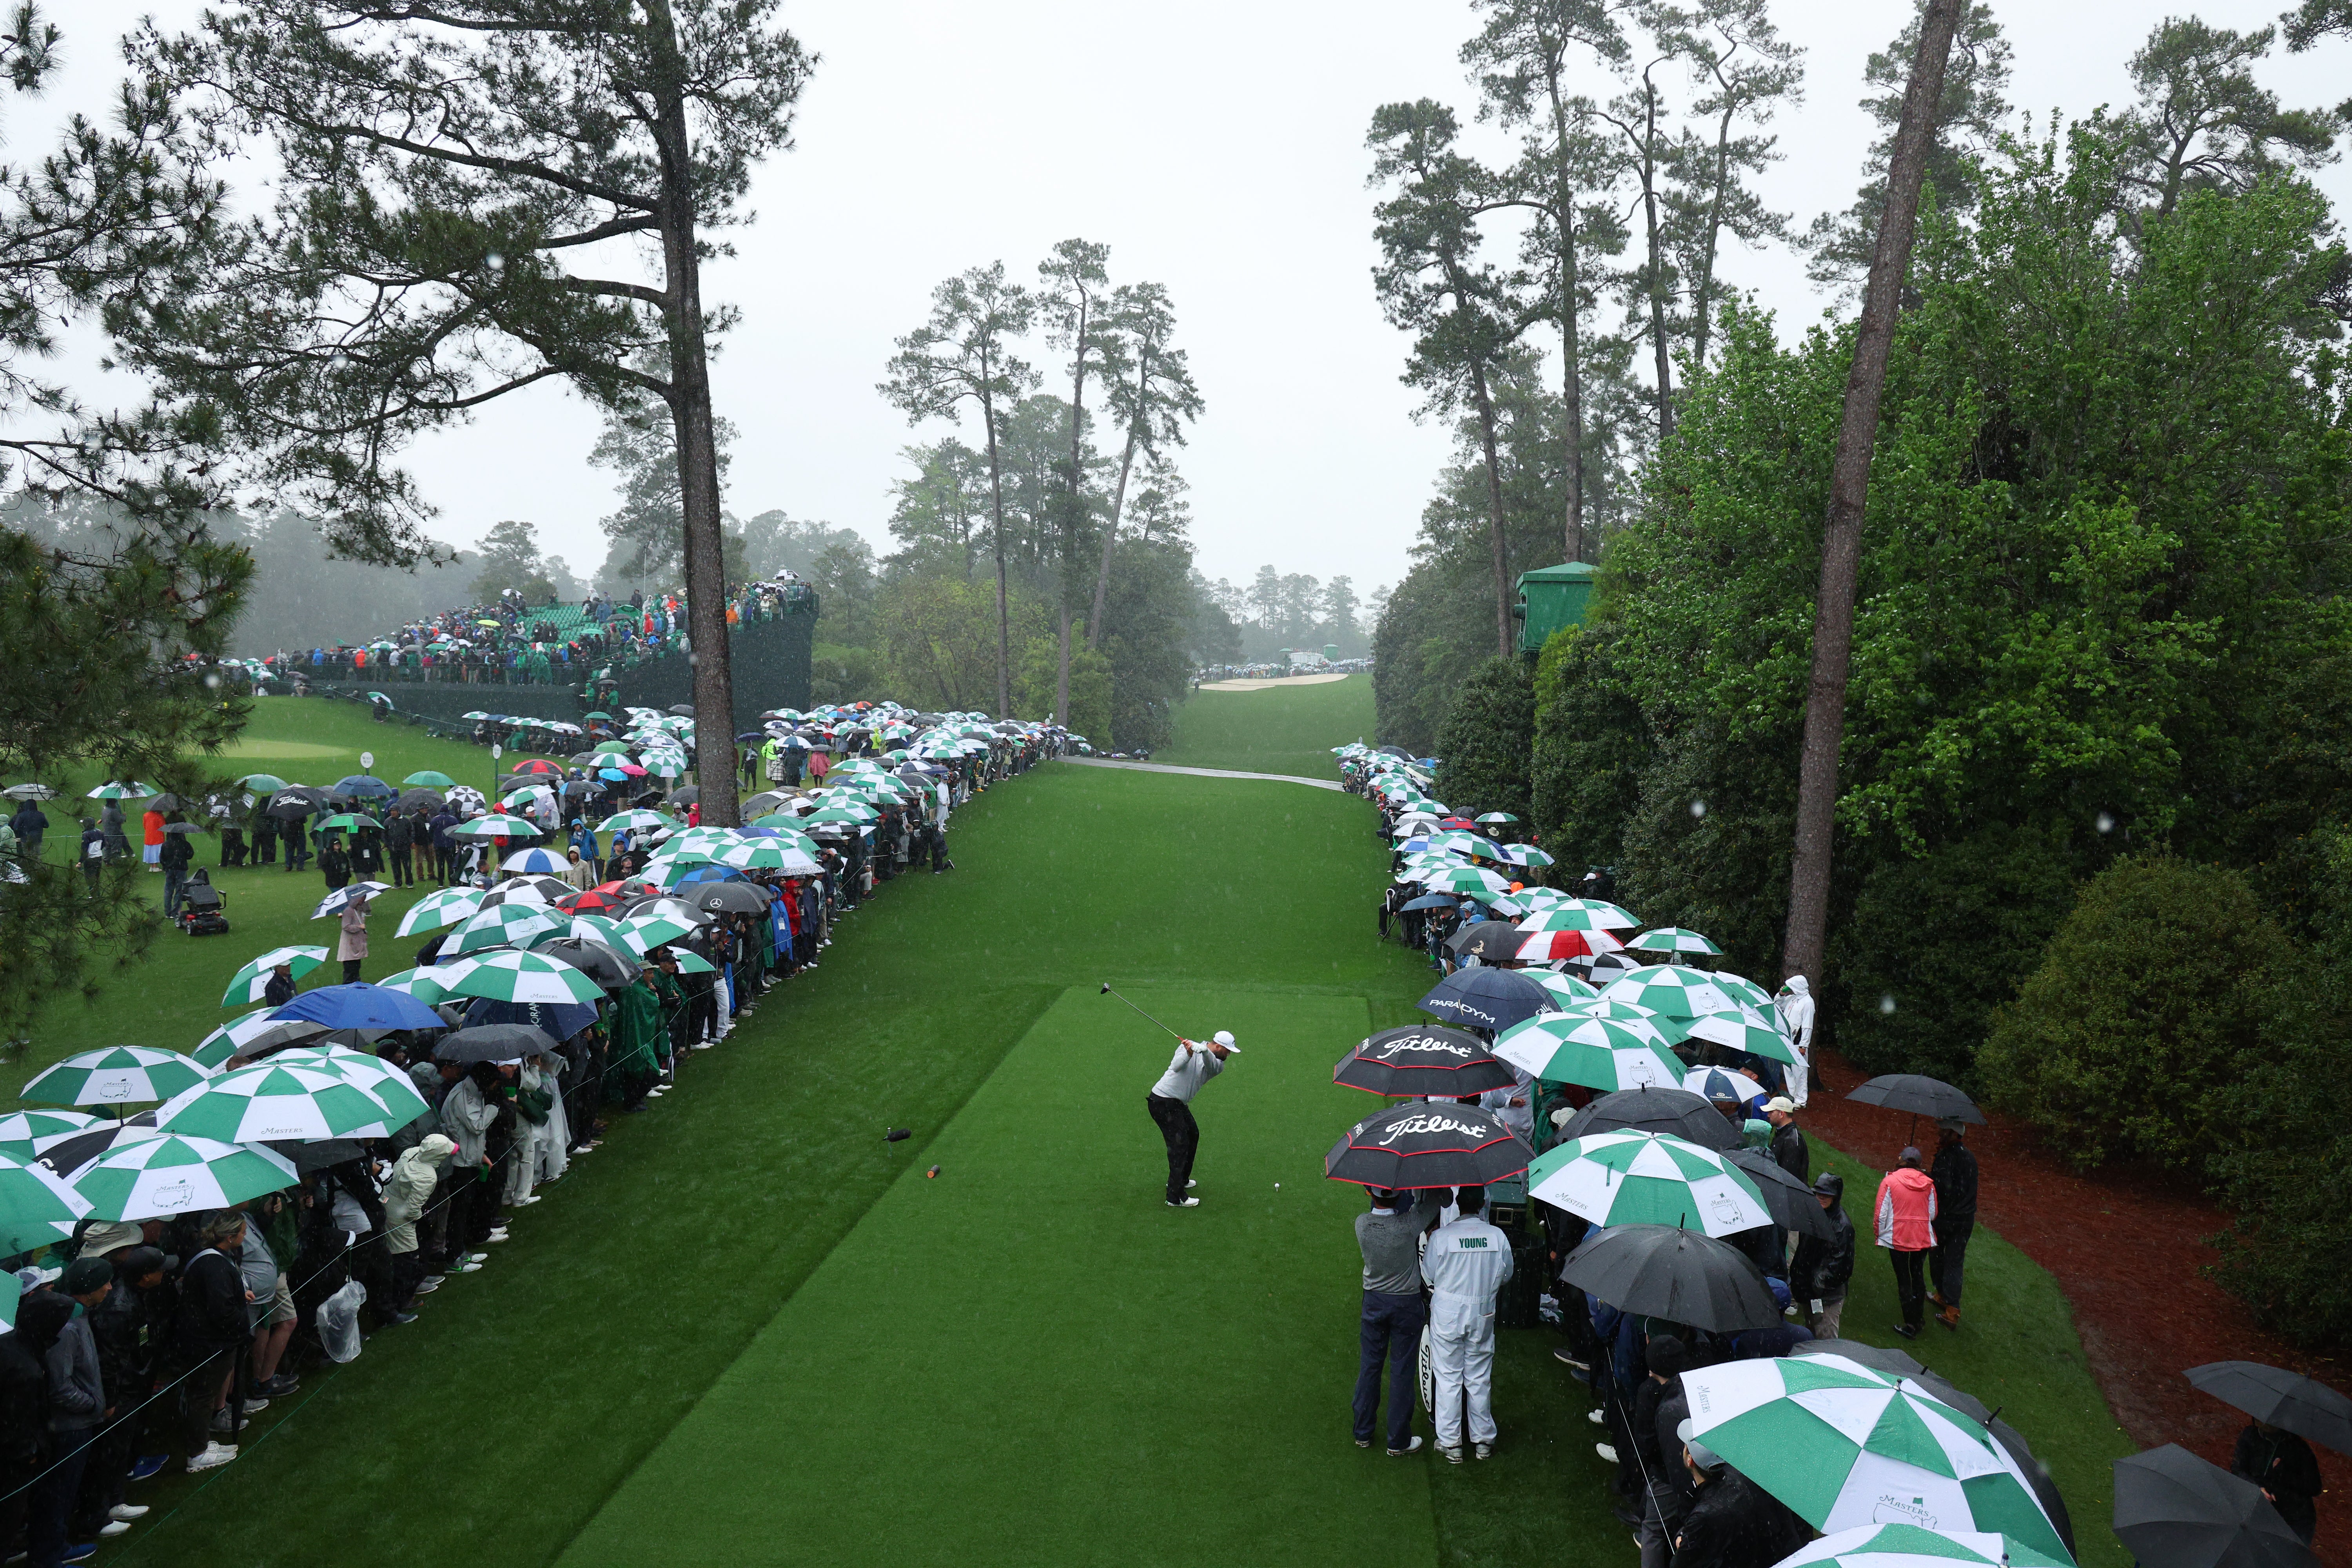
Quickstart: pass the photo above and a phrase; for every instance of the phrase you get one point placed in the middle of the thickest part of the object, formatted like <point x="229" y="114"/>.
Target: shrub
<point x="2148" y="1002"/>
<point x="1488" y="734"/>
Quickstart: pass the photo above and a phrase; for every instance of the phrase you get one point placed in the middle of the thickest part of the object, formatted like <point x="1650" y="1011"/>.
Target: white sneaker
<point x="702" y="1045"/>
<point x="527" y="1198"/>
<point x="1191" y="1182"/>
<point x="127" y="1510"/>
<point x="495" y="1237"/>
<point x="1485" y="1450"/>
<point x="213" y="1455"/>
<point x="115" y="1526"/>
<point x="1605" y="1451"/>
<point x="478" y="1257"/>
<point x="467" y="1267"/>
<point x="1187" y="1203"/>
<point x="1596" y="1417"/>
<point x="1452" y="1456"/>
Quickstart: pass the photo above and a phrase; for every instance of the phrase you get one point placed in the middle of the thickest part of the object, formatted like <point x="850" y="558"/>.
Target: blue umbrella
<point x="711" y="874"/>
<point x="613" y="774"/>
<point x="1430" y="902"/>
<point x="1488" y="998"/>
<point x="359" y="1005"/>
<point x="758" y="832"/>
<point x="363" y="784"/>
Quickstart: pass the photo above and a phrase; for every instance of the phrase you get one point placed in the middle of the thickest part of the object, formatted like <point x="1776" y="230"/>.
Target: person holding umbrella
<point x="1466" y="1263"/>
<point x="2284" y="1465"/>
<point x="1822" y="1269"/>
<point x="1955" y="1175"/>
<point x="1171" y="1104"/>
<point x="352" y="949"/>
<point x="1394" y="1310"/>
<point x="1907" y="1228"/>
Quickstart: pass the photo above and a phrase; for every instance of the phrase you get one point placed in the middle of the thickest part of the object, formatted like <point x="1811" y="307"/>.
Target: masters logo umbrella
<point x="115" y="1075"/>
<point x="502" y="925"/>
<point x="1606" y="1054"/>
<point x="1438" y="1145"/>
<point x="249" y="984"/>
<point x="1672" y="939"/>
<point x="276" y="1101"/>
<point x="444" y="907"/>
<point x="32" y="1194"/>
<point x="1647" y="1178"/>
<point x="1845" y="1445"/>
<point x="1742" y="1028"/>
<point x="1423" y="1059"/>
<point x="166" y="1173"/>
<point x="508" y="977"/>
<point x="1908" y="1546"/>
<point x="1670" y="989"/>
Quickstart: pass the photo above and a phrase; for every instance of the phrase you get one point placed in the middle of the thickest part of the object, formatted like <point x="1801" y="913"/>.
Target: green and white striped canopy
<point x="1672" y="939"/>
<point x="1908" y="1546"/>
<point x="1567" y="987"/>
<point x="1462" y="880"/>
<point x="768" y="855"/>
<point x="587" y="928"/>
<point x="1647" y="1178"/>
<point x="1671" y="989"/>
<point x="1741" y="989"/>
<point x="246" y="984"/>
<point x="497" y="824"/>
<point x="502" y="925"/>
<point x="1599" y="1053"/>
<point x="1742" y="1029"/>
<point x="111" y="790"/>
<point x="508" y="977"/>
<point x="1845" y="1445"/>
<point x="1562" y="917"/>
<point x="159" y="1175"/>
<point x="19" y="1128"/>
<point x="115" y="1075"/>
<point x="643" y="933"/>
<point x="442" y="907"/>
<point x="634" y="822"/>
<point x="32" y="1194"/>
<point x="276" y="1101"/>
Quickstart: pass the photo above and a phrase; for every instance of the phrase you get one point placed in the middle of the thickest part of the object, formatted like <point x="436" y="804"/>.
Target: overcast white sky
<point x="1216" y="147"/>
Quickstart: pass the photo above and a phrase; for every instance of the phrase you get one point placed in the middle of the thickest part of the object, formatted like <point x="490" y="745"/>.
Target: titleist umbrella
<point x="1440" y="1145"/>
<point x="1485" y="998"/>
<point x="1682" y="1276"/>
<point x="1423" y="1059"/>
<point x="2174" y="1509"/>
<point x="1674" y="1111"/>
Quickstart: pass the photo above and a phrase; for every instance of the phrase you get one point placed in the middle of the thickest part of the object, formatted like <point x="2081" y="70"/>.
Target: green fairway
<point x="749" y="1329"/>
<point x="1281" y="729"/>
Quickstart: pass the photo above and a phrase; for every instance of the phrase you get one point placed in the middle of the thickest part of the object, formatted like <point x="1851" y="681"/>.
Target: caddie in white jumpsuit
<point x="1466" y="1263"/>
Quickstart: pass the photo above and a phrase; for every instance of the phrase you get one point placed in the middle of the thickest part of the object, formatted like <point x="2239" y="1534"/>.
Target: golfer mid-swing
<point x="1170" y="1104"/>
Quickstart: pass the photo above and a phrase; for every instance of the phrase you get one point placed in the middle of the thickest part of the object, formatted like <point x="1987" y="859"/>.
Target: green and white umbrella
<point x="261" y="784"/>
<point x="1742" y="1029"/>
<point x="115" y="1075"/>
<point x="1845" y="1445"/>
<point x="1563" y="917"/>
<point x="1739" y="988"/>
<point x="276" y="1101"/>
<point x="110" y="790"/>
<point x="426" y="778"/>
<point x="497" y="826"/>
<point x="1647" y="1178"/>
<point x="1462" y="880"/>
<point x="1671" y="989"/>
<point x="1567" y="987"/>
<point x="246" y="986"/>
<point x="31" y="1194"/>
<point x="421" y="983"/>
<point x="160" y="1175"/>
<point x="502" y="925"/>
<point x="1599" y="1053"/>
<point x="510" y="976"/>
<point x="372" y="1073"/>
<point x="768" y="855"/>
<point x="1672" y="938"/>
<point x="634" y="822"/>
<point x="20" y="1129"/>
<point x="1909" y="1546"/>
<point x="257" y="1028"/>
<point x="645" y="933"/>
<point x="1497" y="816"/>
<point x="443" y="907"/>
<point x="586" y="928"/>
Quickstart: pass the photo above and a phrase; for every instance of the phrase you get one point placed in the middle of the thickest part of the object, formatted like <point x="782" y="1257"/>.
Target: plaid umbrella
<point x="161" y="1175"/>
<point x="115" y="1075"/>
<point x="248" y="983"/>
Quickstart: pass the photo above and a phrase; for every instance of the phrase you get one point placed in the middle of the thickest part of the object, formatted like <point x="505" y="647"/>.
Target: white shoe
<point x="1605" y="1451"/>
<point x="469" y="1266"/>
<point x="115" y="1526"/>
<point x="1597" y="1418"/>
<point x="428" y="1287"/>
<point x="702" y="1045"/>
<point x="214" y="1455"/>
<point x="1452" y="1456"/>
<point x="127" y="1510"/>
<point x="1485" y="1450"/>
<point x="1191" y="1182"/>
<point x="1186" y="1203"/>
<point x="478" y="1257"/>
<point x="527" y="1198"/>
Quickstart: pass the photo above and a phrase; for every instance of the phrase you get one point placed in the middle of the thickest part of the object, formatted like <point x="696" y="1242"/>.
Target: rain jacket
<point x="77" y="1395"/>
<point x="409" y="1190"/>
<point x="354" y="942"/>
<point x="1906" y="1210"/>
<point x="466" y="1116"/>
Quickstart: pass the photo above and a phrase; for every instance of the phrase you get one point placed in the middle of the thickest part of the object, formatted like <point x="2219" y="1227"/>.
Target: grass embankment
<point x="1279" y="730"/>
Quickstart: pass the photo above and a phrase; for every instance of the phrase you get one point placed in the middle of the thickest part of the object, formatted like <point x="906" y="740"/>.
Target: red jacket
<point x="1906" y="1210"/>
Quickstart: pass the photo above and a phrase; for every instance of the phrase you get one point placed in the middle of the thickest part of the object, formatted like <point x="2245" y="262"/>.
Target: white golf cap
<point x="1224" y="1037"/>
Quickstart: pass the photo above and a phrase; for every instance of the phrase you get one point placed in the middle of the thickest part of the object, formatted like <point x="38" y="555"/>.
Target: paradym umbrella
<point x="1909" y="1546"/>
<point x="2288" y="1400"/>
<point x="115" y="1075"/>
<point x="1410" y="1146"/>
<point x="1669" y="1110"/>
<point x="249" y="984"/>
<point x="2174" y="1509"/>
<point x="1682" y="1276"/>
<point x="165" y="1174"/>
<point x="1423" y="1059"/>
<point x="1647" y="1178"/>
<point x="1486" y="998"/>
<point x="1844" y="1445"/>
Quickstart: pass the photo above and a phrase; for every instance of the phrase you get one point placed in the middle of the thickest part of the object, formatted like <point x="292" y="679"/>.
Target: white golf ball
<point x="1277" y="1186"/>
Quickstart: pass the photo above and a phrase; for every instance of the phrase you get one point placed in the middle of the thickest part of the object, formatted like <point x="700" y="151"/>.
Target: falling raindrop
<point x="2106" y="823"/>
<point x="1698" y="808"/>
<point x="1886" y="1003"/>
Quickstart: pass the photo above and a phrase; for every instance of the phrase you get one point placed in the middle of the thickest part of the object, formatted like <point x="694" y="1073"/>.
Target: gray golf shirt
<point x="1392" y="1244"/>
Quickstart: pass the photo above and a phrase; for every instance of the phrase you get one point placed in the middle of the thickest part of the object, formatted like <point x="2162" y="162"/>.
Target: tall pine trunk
<point x="1077" y="512"/>
<point x="1571" y="347"/>
<point x="1003" y="607"/>
<point x="1494" y="508"/>
<point x="694" y="427"/>
<point x="1118" y="499"/>
<point x="1817" y="773"/>
<point x="1663" y="349"/>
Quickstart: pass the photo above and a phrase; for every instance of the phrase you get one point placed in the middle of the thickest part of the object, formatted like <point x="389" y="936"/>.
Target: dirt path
<point x="2129" y="1248"/>
<point x="1202" y="772"/>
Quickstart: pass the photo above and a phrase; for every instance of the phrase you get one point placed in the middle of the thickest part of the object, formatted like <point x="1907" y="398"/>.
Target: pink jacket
<point x="1906" y="1210"/>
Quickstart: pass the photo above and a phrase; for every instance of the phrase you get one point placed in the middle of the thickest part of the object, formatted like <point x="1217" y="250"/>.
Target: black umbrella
<point x="411" y="799"/>
<point x="765" y="802"/>
<point x="185" y="827"/>
<point x="600" y="963"/>
<point x="1410" y="1146"/>
<point x="728" y="898"/>
<point x="318" y="1156"/>
<point x="685" y="796"/>
<point x="2288" y="1400"/>
<point x="1486" y="998"/>
<point x="1876" y="1357"/>
<point x="1674" y="1111"/>
<point x="1919" y="1096"/>
<point x="1488" y="939"/>
<point x="682" y="709"/>
<point x="1791" y="1202"/>
<point x="492" y="1043"/>
<point x="2175" y="1510"/>
<point x="297" y="801"/>
<point x="1681" y="1276"/>
<point x="67" y="1155"/>
<point x="166" y="802"/>
<point x="1422" y="1058"/>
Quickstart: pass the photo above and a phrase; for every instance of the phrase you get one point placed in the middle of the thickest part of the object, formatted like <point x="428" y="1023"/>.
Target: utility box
<point x="1331" y="652"/>
<point x="1550" y="597"/>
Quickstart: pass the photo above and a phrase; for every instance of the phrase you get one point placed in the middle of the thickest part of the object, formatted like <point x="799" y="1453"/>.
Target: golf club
<point x="1109" y="991"/>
